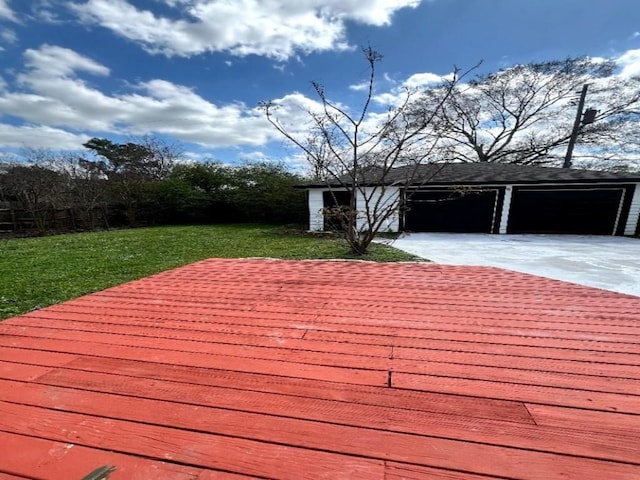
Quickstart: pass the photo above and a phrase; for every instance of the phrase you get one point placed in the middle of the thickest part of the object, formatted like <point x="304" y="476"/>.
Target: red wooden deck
<point x="293" y="370"/>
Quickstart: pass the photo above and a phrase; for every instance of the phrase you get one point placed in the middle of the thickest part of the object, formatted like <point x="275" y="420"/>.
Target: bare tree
<point x="85" y="191"/>
<point x="8" y="199"/>
<point x="165" y="154"/>
<point x="373" y="157"/>
<point x="35" y="188"/>
<point x="524" y="114"/>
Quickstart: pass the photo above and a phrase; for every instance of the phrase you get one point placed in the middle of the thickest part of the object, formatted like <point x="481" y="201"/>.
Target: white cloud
<point x="423" y="80"/>
<point x="46" y="11"/>
<point x="59" y="62"/>
<point x="629" y="63"/>
<point x="254" y="156"/>
<point x="54" y="94"/>
<point x="8" y="36"/>
<point x="398" y="94"/>
<point x="359" y="87"/>
<point x="293" y="110"/>
<point x="38" y="136"/>
<point x="387" y="78"/>
<point x="388" y="98"/>
<point x="6" y="12"/>
<point x="276" y="29"/>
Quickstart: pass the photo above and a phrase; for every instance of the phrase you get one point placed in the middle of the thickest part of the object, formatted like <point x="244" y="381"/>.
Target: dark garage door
<point x="577" y="211"/>
<point x="445" y="211"/>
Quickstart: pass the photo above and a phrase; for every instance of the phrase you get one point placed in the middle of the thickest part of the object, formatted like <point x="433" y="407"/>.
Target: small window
<point x="336" y="198"/>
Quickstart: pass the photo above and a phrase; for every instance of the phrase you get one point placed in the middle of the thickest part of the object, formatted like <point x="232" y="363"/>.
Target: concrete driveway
<point x="610" y="263"/>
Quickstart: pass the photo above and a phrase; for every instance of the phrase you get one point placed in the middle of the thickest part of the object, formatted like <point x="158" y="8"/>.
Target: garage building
<point x="496" y="198"/>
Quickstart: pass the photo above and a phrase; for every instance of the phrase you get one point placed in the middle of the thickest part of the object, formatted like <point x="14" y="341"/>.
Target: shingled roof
<point x="487" y="173"/>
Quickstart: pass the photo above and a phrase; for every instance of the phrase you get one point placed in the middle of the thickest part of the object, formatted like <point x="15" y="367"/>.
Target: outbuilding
<point x="495" y="198"/>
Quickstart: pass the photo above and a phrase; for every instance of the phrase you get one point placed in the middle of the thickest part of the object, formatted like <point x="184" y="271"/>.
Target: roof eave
<point x="630" y="180"/>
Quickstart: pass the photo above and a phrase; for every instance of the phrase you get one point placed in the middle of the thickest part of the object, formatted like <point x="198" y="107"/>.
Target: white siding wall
<point x="316" y="217"/>
<point x="388" y="200"/>
<point x="634" y="212"/>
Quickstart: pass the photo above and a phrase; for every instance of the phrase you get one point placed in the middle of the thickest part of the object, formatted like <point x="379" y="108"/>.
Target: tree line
<point x="138" y="183"/>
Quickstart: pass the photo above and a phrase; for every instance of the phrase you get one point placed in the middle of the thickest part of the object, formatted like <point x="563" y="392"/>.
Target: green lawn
<point x="36" y="272"/>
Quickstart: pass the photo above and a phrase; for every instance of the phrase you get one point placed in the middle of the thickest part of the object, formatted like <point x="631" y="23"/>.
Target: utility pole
<point x="576" y="128"/>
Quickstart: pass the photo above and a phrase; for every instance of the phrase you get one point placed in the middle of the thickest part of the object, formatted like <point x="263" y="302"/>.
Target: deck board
<point x="39" y="458"/>
<point x="286" y="369"/>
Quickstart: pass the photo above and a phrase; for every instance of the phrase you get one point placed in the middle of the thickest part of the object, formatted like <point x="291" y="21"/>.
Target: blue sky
<point x="193" y="71"/>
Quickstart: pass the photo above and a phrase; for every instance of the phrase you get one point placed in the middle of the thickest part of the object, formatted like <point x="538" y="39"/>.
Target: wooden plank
<point x="6" y="476"/>
<point x="451" y="340"/>
<point x="294" y="432"/>
<point x="495" y="327"/>
<point x="475" y="307"/>
<point x="524" y="393"/>
<point x="258" y="338"/>
<point x="398" y="471"/>
<point x="368" y="395"/>
<point x="368" y="323"/>
<point x="536" y="289"/>
<point x="370" y="358"/>
<point x="468" y="280"/>
<point x="206" y="360"/>
<point x="632" y="357"/>
<point x="74" y="321"/>
<point x="440" y="369"/>
<point x="497" y="322"/>
<point x="32" y="457"/>
<point x="270" y="403"/>
<point x="520" y="376"/>
<point x="450" y="314"/>
<point x="326" y="273"/>
<point x="191" y="448"/>
<point x="179" y="321"/>
<point x="429" y="357"/>
<point x="511" y="411"/>
<point x="21" y="371"/>
<point x="211" y="292"/>
<point x="519" y="351"/>
<point x="393" y="436"/>
<point x="257" y="458"/>
<point x="35" y="357"/>
<point x="586" y="420"/>
<point x="311" y="335"/>
<point x="333" y="391"/>
<point x="405" y="304"/>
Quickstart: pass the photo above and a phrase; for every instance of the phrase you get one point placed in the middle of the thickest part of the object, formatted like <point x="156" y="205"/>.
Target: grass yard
<point x="37" y="272"/>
